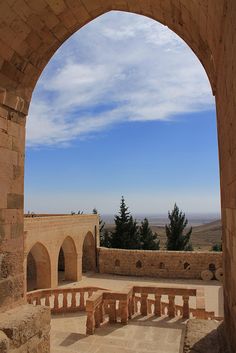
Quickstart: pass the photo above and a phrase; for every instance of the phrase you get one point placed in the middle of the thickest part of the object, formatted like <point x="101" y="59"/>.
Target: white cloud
<point x="121" y="67"/>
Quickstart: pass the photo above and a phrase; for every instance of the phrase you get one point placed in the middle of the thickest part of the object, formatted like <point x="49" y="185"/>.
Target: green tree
<point x="105" y="236"/>
<point x="217" y="247"/>
<point x="126" y="234"/>
<point x="176" y="239"/>
<point x="148" y="239"/>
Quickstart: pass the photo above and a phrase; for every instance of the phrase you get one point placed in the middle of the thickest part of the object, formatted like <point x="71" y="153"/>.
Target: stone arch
<point x="89" y="253"/>
<point x="67" y="260"/>
<point x="38" y="268"/>
<point x="30" y="34"/>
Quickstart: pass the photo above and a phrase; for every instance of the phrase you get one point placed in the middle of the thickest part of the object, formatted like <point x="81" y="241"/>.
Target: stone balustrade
<point x="62" y="300"/>
<point x="103" y="305"/>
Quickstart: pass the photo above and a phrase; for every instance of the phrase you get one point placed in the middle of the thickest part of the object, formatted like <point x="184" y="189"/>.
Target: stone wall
<point x="163" y="264"/>
<point x="25" y="329"/>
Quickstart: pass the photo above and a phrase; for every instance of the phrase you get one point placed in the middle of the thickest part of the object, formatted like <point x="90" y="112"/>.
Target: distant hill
<point x="203" y="236"/>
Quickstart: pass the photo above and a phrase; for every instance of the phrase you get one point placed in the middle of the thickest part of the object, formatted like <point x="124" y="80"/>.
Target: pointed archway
<point x="67" y="261"/>
<point x="89" y="253"/>
<point x="38" y="268"/>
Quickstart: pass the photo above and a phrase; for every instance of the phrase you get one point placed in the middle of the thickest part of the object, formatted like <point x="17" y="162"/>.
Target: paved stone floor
<point x="141" y="335"/>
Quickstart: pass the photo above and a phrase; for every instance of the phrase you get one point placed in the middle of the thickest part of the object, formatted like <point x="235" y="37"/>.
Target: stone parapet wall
<point x="25" y="329"/>
<point x="163" y="264"/>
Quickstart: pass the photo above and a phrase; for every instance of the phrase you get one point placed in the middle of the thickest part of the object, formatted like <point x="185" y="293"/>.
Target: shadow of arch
<point x="38" y="268"/>
<point x="89" y="253"/>
<point x="67" y="261"/>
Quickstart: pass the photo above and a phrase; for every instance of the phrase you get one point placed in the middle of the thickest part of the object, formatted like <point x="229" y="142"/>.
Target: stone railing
<point x="62" y="300"/>
<point x="102" y="305"/>
<point x="122" y="306"/>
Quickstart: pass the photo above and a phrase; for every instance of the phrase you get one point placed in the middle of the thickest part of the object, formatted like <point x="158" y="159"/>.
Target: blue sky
<point x="123" y="108"/>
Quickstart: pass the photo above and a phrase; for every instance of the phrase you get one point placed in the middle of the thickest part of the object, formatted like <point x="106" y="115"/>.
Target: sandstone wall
<point x="52" y="232"/>
<point x="163" y="264"/>
<point x="25" y="329"/>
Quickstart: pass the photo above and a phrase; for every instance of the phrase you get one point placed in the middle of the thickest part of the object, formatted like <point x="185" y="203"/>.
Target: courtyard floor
<point x="141" y="335"/>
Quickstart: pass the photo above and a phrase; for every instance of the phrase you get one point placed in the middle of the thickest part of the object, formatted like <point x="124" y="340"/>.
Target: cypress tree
<point x="125" y="235"/>
<point x="148" y="239"/>
<point x="176" y="239"/>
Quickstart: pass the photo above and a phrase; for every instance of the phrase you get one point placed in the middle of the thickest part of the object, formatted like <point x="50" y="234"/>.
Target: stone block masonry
<point x="163" y="264"/>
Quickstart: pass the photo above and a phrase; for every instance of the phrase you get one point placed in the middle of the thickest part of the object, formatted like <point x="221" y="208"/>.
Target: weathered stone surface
<point x="26" y="326"/>
<point x="4" y="344"/>
<point x="204" y="336"/>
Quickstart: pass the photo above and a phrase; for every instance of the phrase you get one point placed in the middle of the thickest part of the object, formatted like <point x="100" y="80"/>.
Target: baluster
<point x="90" y="293"/>
<point x="101" y="313"/>
<point x="81" y="302"/>
<point x="64" y="303"/>
<point x="124" y="311"/>
<point x="112" y="311"/>
<point x="90" y="323"/>
<point x="171" y="306"/>
<point x="133" y="305"/>
<point x="56" y="302"/>
<point x="37" y="301"/>
<point x="97" y="317"/>
<point x="144" y="308"/>
<point x="185" y="306"/>
<point x="157" y="307"/>
<point x="136" y="304"/>
<point x="29" y="300"/>
<point x="47" y="301"/>
<point x="73" y="300"/>
<point x="130" y="308"/>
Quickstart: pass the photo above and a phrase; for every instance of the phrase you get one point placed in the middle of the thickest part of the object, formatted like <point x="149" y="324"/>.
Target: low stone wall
<point x="25" y="329"/>
<point x="163" y="264"/>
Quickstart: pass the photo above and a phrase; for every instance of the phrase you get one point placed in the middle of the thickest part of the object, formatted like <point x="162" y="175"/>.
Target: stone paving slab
<point x="141" y="335"/>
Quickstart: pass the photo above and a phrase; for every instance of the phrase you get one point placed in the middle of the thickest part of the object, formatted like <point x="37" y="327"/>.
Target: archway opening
<point x="89" y="254"/>
<point x="38" y="268"/>
<point x="67" y="261"/>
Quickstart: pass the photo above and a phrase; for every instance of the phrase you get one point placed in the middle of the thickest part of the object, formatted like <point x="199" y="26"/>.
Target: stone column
<point x="144" y="308"/>
<point x="112" y="310"/>
<point x="171" y="306"/>
<point x="157" y="309"/>
<point x="90" y="324"/>
<point x="186" y="307"/>
<point x="12" y="152"/>
<point x="124" y="311"/>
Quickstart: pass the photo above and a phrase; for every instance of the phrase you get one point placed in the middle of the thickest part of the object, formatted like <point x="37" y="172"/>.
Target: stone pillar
<point x="186" y="307"/>
<point x="81" y="301"/>
<point x="12" y="152"/>
<point x="90" y="323"/>
<point x="112" y="310"/>
<point x="124" y="311"/>
<point x="144" y="308"/>
<point x="171" y="306"/>
<point x="157" y="309"/>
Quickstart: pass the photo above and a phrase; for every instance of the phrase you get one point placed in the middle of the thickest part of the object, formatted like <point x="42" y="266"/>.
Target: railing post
<point x="73" y="300"/>
<point x="64" y="303"/>
<point x="144" y="308"/>
<point x="90" y="323"/>
<point x="185" y="306"/>
<point x="47" y="300"/>
<point x="56" y="302"/>
<point x="157" y="307"/>
<point x="112" y="311"/>
<point x="97" y="317"/>
<point x="124" y="311"/>
<point x="171" y="306"/>
<point x="81" y="302"/>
